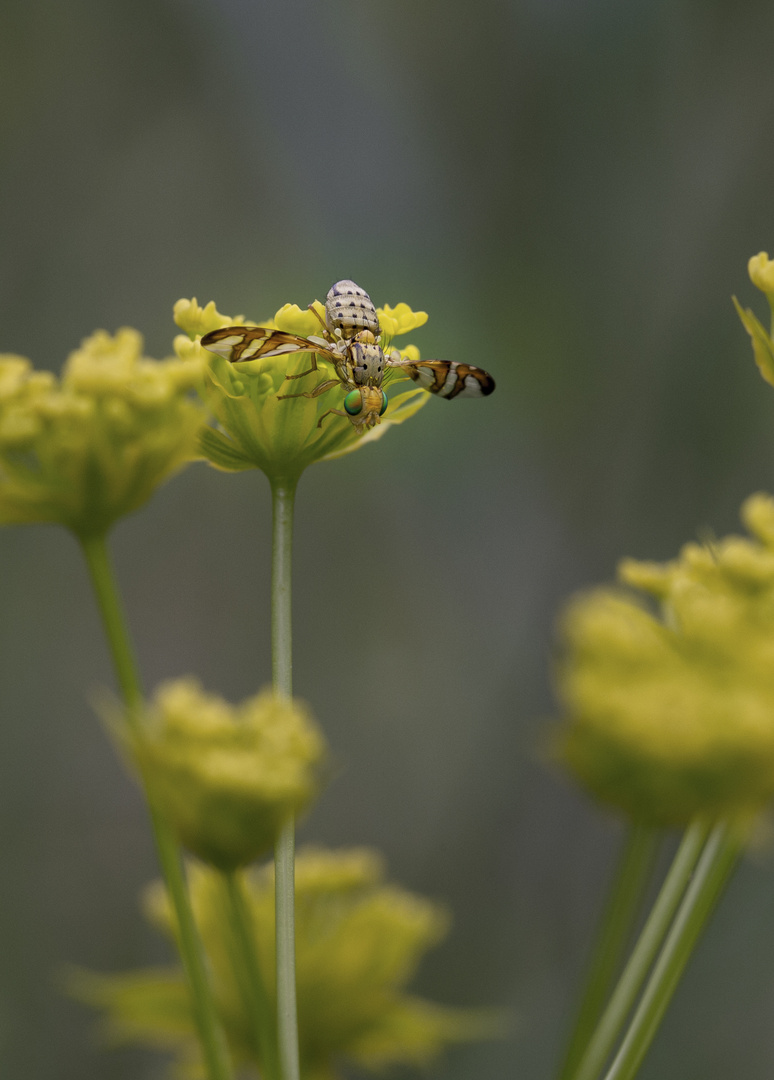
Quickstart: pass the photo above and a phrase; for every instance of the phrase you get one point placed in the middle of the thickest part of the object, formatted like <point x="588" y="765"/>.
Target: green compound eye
<point x="353" y="402"/>
<point x="383" y="409"/>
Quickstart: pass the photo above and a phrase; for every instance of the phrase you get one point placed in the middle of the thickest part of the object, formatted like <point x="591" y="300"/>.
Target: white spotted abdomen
<point x="348" y="308"/>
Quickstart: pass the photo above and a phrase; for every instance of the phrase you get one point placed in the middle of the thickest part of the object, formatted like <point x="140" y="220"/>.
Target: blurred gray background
<point x="572" y="190"/>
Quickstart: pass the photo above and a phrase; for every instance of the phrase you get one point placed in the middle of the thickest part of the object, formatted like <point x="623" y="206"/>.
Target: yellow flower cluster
<point x="227" y="777"/>
<point x="358" y="943"/>
<point x="670" y="709"/>
<point x="281" y="437"/>
<point x="87" y="449"/>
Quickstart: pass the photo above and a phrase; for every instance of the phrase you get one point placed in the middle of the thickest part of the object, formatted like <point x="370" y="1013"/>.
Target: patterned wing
<point x="238" y="343"/>
<point x="446" y="378"/>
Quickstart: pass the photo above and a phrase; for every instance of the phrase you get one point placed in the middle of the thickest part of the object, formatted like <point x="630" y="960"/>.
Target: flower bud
<point x="761" y="271"/>
<point x="400" y="319"/>
<point x="758" y="516"/>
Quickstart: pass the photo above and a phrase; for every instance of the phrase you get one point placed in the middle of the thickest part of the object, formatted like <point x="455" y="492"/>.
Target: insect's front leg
<point x="336" y="412"/>
<point x="301" y="374"/>
<point x="322" y="388"/>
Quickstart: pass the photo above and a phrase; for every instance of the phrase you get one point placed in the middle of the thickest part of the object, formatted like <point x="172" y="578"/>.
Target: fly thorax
<point x="349" y="309"/>
<point x="367" y="363"/>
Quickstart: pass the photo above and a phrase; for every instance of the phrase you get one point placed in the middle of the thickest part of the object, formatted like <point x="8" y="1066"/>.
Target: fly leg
<point x="322" y="388"/>
<point x="302" y="373"/>
<point x="336" y="412"/>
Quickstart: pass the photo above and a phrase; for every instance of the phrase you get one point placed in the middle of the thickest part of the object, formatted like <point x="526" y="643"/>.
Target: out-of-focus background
<point x="572" y="190"/>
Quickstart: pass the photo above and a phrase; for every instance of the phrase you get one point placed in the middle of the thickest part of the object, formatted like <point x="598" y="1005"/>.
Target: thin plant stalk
<point x="635" y="863"/>
<point x="283" y="495"/>
<point x="248" y="970"/>
<point x="643" y="955"/>
<point x="713" y="870"/>
<point x="208" y="1024"/>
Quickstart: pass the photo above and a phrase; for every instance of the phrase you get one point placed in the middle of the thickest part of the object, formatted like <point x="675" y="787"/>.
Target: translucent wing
<point x="446" y="378"/>
<point x="238" y="343"/>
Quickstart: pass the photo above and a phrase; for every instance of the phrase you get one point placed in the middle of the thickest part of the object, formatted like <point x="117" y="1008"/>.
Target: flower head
<point x="88" y="448"/>
<point x="670" y="711"/>
<point x="358" y="943"/>
<point x="268" y="420"/>
<point x="227" y="777"/>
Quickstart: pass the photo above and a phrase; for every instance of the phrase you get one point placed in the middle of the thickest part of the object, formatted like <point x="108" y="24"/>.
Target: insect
<point x="351" y="339"/>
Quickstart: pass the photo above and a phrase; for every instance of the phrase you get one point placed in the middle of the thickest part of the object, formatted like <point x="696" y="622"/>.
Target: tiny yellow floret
<point x="761" y="270"/>
<point x="196" y="320"/>
<point x="400" y="319"/>
<point x="295" y="320"/>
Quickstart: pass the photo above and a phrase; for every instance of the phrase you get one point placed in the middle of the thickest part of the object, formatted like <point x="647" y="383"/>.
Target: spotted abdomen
<point x="348" y="308"/>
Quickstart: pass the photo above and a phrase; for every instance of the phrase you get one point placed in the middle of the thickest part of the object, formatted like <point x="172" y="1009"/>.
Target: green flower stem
<point x="208" y="1025"/>
<point x="712" y="872"/>
<point x="644" y="953"/>
<point x="248" y="971"/>
<point x="631" y="877"/>
<point x="283" y="493"/>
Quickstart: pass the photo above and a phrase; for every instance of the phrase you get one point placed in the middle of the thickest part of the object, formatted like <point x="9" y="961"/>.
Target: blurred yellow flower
<point x="196" y="320"/>
<point x="87" y="449"/>
<point x="669" y="712"/>
<point x="358" y="943"/>
<point x="227" y="777"/>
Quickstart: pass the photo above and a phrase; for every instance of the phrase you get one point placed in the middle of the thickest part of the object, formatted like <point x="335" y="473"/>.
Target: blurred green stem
<point x="624" y="900"/>
<point x="248" y="971"/>
<point x="283" y="495"/>
<point x="208" y="1025"/>
<point x="644" y="953"/>
<point x="712" y="872"/>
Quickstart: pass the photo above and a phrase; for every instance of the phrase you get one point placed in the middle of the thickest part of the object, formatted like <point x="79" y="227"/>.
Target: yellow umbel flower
<point x="227" y="777"/>
<point x="87" y="449"/>
<point x="358" y="943"/>
<point x="670" y="711"/>
<point x="257" y="429"/>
